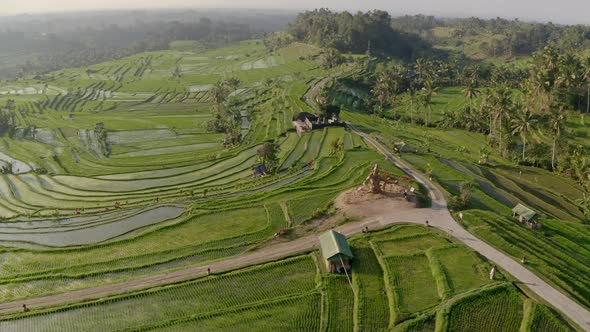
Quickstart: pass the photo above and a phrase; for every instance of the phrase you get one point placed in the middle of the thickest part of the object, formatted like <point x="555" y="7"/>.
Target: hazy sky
<point x="565" y="11"/>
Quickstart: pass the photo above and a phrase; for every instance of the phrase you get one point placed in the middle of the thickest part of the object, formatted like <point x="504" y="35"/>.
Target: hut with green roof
<point x="526" y="216"/>
<point x="336" y="252"/>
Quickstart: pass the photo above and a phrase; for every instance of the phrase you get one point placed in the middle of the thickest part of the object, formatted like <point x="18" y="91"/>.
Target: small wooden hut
<point x="526" y="216"/>
<point x="336" y="252"/>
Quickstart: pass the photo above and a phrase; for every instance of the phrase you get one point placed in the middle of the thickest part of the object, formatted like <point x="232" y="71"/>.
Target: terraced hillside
<point x="112" y="173"/>
<point x="160" y="192"/>
<point x="407" y="278"/>
<point x="558" y="252"/>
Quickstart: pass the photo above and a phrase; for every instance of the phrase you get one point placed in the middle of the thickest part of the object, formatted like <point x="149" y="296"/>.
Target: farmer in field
<point x="25" y="309"/>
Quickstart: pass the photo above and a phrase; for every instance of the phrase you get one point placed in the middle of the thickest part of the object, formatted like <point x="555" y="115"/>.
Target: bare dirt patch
<point x="361" y="204"/>
<point x="353" y="205"/>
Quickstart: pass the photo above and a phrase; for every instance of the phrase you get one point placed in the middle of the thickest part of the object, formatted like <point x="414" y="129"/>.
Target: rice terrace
<point x="220" y="170"/>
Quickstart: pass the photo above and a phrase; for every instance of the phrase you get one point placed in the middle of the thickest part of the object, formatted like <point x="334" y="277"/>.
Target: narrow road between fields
<point x="440" y="218"/>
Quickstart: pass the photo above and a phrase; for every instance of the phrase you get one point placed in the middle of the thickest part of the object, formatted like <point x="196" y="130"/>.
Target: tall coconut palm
<point x="586" y="68"/>
<point x="500" y="107"/>
<point x="557" y="121"/>
<point x="428" y="91"/>
<point x="414" y="100"/>
<point x="421" y="68"/>
<point x="219" y="93"/>
<point x="470" y="92"/>
<point x="382" y="89"/>
<point x="523" y="125"/>
<point x="397" y="75"/>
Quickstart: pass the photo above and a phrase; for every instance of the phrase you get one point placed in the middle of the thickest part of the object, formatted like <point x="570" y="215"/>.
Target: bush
<point x="461" y="201"/>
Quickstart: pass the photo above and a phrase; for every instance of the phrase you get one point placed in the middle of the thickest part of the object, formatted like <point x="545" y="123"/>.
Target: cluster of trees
<point x="226" y="111"/>
<point x="268" y="155"/>
<point x="359" y="33"/>
<point x="556" y="82"/>
<point x="7" y="116"/>
<point x="512" y="37"/>
<point x="525" y="119"/>
<point x="95" y="46"/>
<point x="419" y="82"/>
<point x="276" y="40"/>
<point x="523" y="113"/>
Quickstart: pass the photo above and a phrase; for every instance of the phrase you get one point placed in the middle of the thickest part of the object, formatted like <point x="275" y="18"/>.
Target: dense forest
<point x="359" y="33"/>
<point x="43" y="43"/>
<point x="413" y="36"/>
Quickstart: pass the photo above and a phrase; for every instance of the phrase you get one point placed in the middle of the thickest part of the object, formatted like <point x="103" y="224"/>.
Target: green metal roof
<point x="334" y="243"/>
<point x="524" y="211"/>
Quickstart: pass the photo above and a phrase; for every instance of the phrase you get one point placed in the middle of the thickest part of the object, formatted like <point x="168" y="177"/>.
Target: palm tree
<point x="332" y="58"/>
<point x="219" y="93"/>
<point x="470" y="92"/>
<point x="414" y="100"/>
<point x="500" y="108"/>
<point x="580" y="165"/>
<point x="556" y="126"/>
<point x="397" y="75"/>
<point x="428" y="91"/>
<point x="586" y="66"/>
<point x="382" y="89"/>
<point x="523" y="125"/>
<point x="421" y="68"/>
<point x="233" y="83"/>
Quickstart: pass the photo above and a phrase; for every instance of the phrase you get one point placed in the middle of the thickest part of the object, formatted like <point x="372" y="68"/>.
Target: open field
<point x="314" y="300"/>
<point x="558" y="252"/>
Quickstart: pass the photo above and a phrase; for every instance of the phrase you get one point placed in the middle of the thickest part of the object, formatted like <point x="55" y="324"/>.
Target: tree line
<point x="358" y="33"/>
<point x="513" y="37"/>
<point x="524" y="113"/>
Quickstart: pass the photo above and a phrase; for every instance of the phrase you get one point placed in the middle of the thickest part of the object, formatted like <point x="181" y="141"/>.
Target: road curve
<point x="442" y="219"/>
<point x="438" y="216"/>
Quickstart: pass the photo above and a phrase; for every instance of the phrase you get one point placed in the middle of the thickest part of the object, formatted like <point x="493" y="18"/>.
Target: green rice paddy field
<point x="183" y="199"/>
<point x="397" y="283"/>
<point x="162" y="193"/>
<point x="559" y="252"/>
